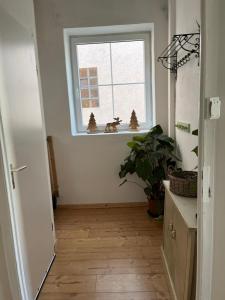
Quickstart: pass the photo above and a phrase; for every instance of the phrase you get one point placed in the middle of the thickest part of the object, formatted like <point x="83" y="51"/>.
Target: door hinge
<point x="52" y="227"/>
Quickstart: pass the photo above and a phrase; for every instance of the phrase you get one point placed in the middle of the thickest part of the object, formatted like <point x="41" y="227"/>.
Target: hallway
<point x="106" y="254"/>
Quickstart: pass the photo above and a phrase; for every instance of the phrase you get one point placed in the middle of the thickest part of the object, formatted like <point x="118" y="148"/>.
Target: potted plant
<point x="151" y="156"/>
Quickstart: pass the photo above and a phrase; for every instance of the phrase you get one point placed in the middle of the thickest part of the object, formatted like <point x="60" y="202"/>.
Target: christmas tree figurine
<point x="133" y="121"/>
<point x="92" y="127"/>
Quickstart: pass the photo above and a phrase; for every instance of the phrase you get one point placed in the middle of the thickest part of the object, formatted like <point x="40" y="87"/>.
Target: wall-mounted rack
<point x="180" y="50"/>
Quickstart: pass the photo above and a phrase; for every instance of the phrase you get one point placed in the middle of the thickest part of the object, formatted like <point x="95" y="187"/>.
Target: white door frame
<point x="207" y="150"/>
<point x="200" y="160"/>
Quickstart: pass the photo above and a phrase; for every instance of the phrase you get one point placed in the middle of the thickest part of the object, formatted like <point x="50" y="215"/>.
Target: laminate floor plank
<point x="102" y="296"/>
<point x="106" y="254"/>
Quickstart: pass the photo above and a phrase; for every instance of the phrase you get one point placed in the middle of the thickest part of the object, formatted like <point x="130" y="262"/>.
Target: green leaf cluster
<point x="150" y="157"/>
<point x="195" y="150"/>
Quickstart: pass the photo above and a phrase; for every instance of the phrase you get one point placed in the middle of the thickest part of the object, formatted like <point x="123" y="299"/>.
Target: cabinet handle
<point x="170" y="227"/>
<point x="173" y="234"/>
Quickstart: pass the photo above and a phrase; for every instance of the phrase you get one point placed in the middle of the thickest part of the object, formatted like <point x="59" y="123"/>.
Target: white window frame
<point x="78" y="36"/>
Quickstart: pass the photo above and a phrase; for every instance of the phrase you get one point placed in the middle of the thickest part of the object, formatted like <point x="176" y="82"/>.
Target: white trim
<point x="111" y="71"/>
<point x="69" y="82"/>
<point x="75" y="36"/>
<point x="110" y="38"/>
<point x="115" y="29"/>
<point x="206" y="165"/>
<point x="44" y="133"/>
<point x="121" y="132"/>
<point x="171" y="76"/>
<point x="199" y="277"/>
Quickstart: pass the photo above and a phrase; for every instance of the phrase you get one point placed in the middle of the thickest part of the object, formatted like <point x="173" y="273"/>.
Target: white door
<point x="26" y="155"/>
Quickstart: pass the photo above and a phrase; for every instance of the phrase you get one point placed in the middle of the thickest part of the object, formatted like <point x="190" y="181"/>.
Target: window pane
<point x="94" y="92"/>
<point x="128" y="62"/>
<point x="83" y="73"/>
<point x="83" y="82"/>
<point x="94" y="81"/>
<point x="95" y="57"/>
<point x="104" y="112"/>
<point x="84" y="93"/>
<point x="127" y="98"/>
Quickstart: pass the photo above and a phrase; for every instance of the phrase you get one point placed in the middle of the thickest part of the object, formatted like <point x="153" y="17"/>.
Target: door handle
<point x="15" y="170"/>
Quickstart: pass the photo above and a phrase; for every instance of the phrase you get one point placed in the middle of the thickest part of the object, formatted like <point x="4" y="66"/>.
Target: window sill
<point x="122" y="132"/>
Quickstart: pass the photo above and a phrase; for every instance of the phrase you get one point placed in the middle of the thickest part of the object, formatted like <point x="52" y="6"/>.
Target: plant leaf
<point x="125" y="180"/>
<point x="133" y="145"/>
<point x="195" y="150"/>
<point x="156" y="130"/>
<point x="195" y="132"/>
<point x="143" y="168"/>
<point x="139" y="138"/>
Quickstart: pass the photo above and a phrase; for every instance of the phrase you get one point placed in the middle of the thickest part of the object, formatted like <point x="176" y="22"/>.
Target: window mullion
<point x="110" y="47"/>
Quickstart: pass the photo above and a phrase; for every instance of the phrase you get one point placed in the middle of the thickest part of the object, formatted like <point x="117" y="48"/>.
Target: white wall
<point x="88" y="166"/>
<point x="20" y="11"/>
<point x="188" y="84"/>
<point x="5" y="292"/>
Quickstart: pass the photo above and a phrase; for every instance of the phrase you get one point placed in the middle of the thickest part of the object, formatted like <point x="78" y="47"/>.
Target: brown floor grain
<point x="106" y="254"/>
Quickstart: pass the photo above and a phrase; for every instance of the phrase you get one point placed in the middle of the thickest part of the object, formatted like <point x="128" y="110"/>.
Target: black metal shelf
<point x="180" y="51"/>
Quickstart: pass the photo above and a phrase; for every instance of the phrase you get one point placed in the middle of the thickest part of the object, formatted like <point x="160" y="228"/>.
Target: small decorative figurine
<point x="112" y="127"/>
<point x="133" y="121"/>
<point x="92" y="127"/>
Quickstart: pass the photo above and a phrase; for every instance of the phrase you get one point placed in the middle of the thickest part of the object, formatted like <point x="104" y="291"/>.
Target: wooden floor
<point x="106" y="254"/>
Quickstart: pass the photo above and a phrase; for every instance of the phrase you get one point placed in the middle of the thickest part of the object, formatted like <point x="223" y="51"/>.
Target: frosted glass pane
<point x="95" y="56"/>
<point x="127" y="98"/>
<point x="128" y="62"/>
<point x="103" y="113"/>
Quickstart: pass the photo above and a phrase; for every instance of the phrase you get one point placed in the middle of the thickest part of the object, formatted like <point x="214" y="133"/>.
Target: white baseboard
<point x="104" y="205"/>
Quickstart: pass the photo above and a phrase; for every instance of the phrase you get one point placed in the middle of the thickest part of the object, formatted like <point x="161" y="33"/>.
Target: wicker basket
<point x="184" y="183"/>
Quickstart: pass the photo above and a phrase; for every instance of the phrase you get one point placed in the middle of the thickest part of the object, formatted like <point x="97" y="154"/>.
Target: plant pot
<point x="155" y="207"/>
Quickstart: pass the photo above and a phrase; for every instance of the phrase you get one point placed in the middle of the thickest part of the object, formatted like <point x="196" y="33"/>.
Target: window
<point x="111" y="77"/>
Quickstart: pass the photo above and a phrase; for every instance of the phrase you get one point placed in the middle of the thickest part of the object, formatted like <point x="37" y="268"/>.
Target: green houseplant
<point x="150" y="158"/>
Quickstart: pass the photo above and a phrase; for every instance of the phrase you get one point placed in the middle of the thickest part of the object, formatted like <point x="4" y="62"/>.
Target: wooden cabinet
<point x="179" y="244"/>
